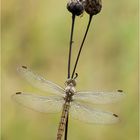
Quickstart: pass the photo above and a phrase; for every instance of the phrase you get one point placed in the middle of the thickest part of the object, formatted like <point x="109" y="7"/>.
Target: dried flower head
<point x="92" y="7"/>
<point x="75" y="7"/>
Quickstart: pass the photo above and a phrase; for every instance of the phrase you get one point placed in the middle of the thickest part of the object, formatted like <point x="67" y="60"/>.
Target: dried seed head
<point x="92" y="7"/>
<point x="75" y="7"/>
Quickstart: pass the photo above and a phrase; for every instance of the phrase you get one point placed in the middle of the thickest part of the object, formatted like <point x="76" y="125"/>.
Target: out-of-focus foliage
<point x="36" y="34"/>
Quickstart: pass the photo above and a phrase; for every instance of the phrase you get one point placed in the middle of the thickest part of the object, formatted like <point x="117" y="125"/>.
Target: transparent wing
<point x="40" y="82"/>
<point x="39" y="103"/>
<point x="99" y="97"/>
<point x="90" y="115"/>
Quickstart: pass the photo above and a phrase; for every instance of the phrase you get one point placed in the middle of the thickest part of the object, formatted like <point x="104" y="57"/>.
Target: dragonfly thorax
<point x="70" y="89"/>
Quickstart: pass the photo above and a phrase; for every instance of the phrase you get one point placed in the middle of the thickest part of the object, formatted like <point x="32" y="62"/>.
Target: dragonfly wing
<point x="40" y="82"/>
<point x="90" y="115"/>
<point x="99" y="97"/>
<point x="39" y="103"/>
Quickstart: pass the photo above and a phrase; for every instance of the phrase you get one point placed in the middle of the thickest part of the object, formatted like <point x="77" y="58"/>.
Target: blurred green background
<point x="36" y="34"/>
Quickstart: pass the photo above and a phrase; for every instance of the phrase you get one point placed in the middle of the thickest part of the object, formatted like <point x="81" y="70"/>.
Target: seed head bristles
<point x="92" y="7"/>
<point x="75" y="7"/>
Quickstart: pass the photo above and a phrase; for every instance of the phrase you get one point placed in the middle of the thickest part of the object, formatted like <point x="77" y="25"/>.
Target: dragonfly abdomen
<point x="63" y="120"/>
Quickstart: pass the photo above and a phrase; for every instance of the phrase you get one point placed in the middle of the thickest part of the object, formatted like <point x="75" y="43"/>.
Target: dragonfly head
<point x="71" y="82"/>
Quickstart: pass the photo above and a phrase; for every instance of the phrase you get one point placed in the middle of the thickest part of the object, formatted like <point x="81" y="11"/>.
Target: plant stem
<point x="76" y="62"/>
<point x="69" y="65"/>
<point x="66" y="128"/>
<point x="70" y="46"/>
<point x="77" y="59"/>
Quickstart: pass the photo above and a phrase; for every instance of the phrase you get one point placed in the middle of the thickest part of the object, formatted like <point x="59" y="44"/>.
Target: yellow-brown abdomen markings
<point x="63" y="121"/>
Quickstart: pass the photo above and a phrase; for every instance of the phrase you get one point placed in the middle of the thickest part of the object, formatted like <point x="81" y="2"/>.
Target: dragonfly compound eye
<point x="71" y="82"/>
<point x="67" y="89"/>
<point x="75" y="7"/>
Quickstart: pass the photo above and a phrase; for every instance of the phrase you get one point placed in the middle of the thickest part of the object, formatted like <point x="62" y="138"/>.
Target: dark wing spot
<point x="18" y="93"/>
<point x="115" y="115"/>
<point x="24" y="67"/>
<point x="120" y="90"/>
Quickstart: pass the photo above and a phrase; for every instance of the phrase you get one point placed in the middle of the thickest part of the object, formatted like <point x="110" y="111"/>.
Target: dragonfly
<point x="67" y="100"/>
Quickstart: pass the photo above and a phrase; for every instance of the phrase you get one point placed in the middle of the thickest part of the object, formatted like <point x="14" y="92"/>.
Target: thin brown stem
<point x="70" y="46"/>
<point x="77" y="59"/>
<point x="69" y="67"/>
<point x="66" y="128"/>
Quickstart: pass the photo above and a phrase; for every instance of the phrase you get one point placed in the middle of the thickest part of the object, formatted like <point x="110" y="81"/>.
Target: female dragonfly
<point x="67" y="100"/>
